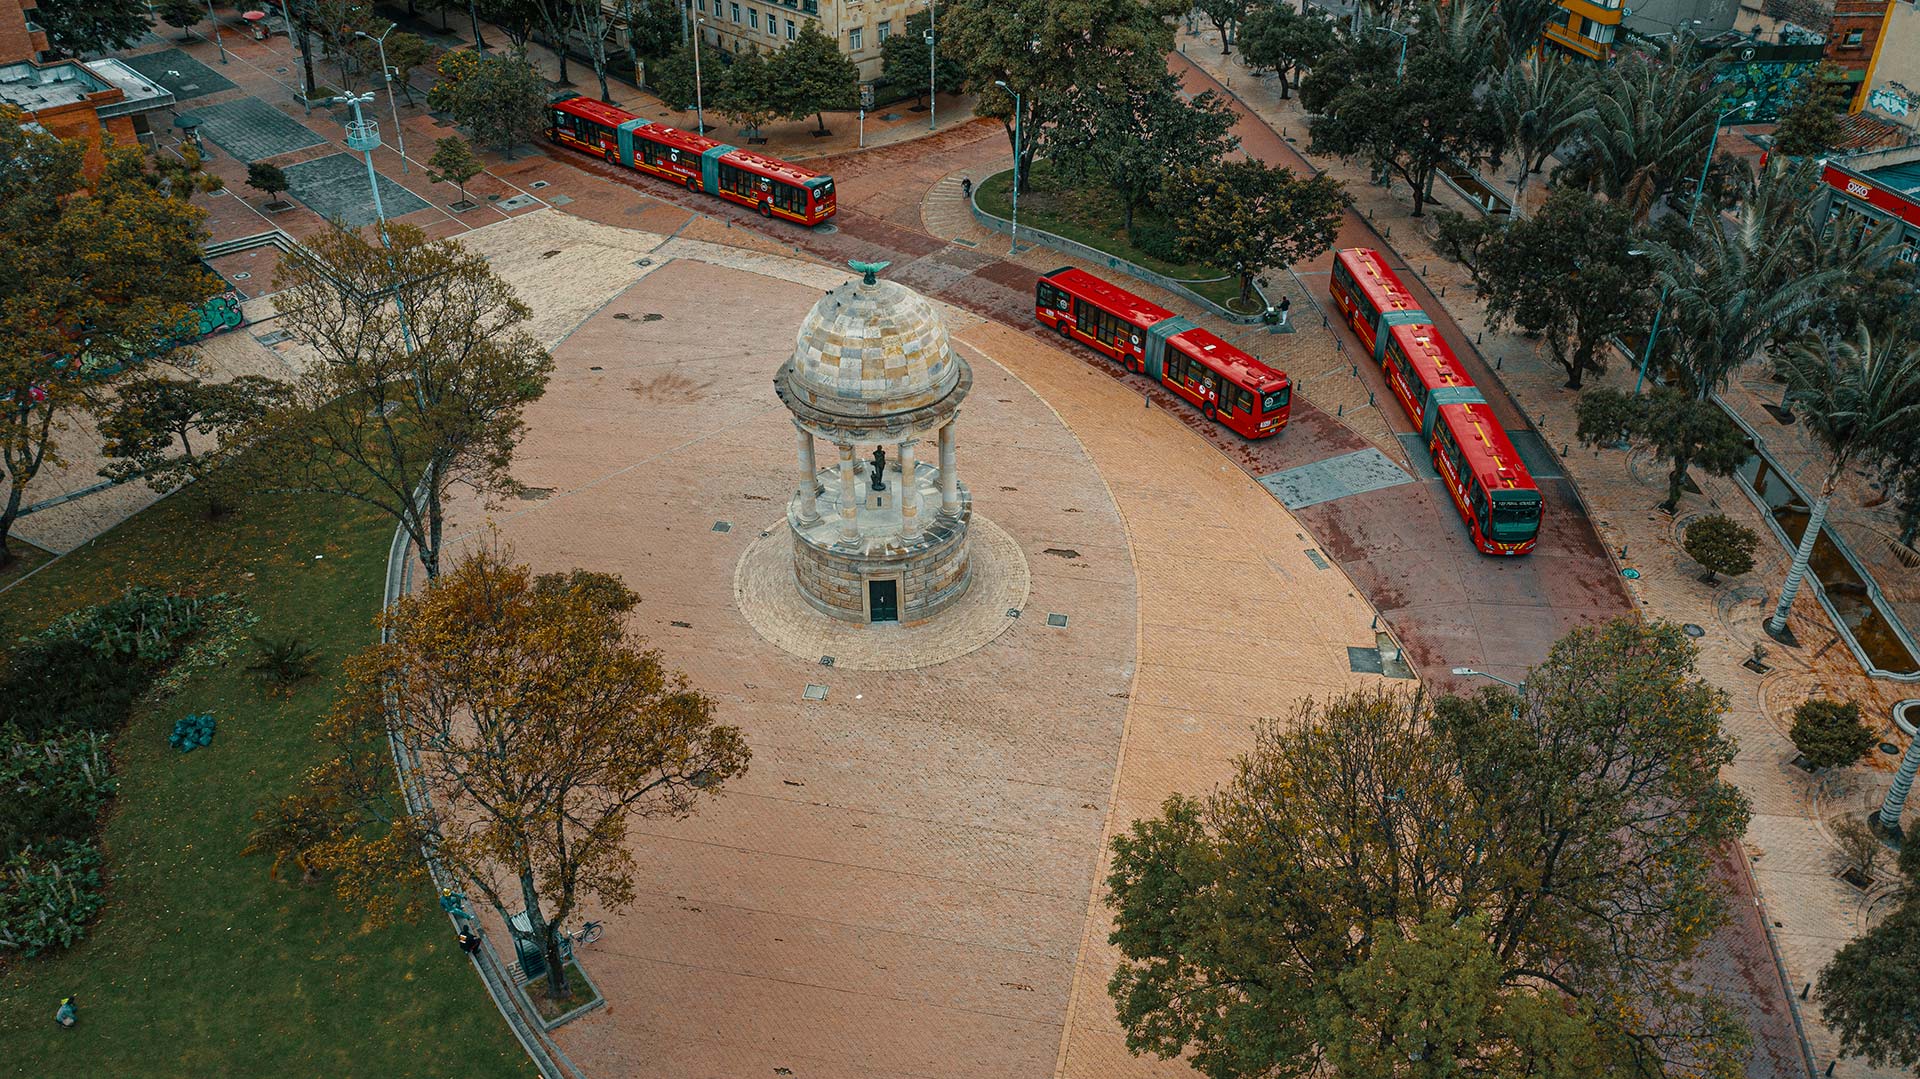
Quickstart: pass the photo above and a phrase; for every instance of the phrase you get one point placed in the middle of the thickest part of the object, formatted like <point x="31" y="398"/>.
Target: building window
<point x="736" y="12"/>
<point x="854" y="37"/>
<point x="1853" y="38"/>
<point x="809" y="7"/>
<point x="791" y="34"/>
<point x="753" y="18"/>
<point x="1602" y="33"/>
<point x="886" y="30"/>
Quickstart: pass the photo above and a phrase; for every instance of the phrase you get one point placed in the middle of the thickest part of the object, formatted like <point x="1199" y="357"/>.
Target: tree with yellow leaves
<point x="539" y="730"/>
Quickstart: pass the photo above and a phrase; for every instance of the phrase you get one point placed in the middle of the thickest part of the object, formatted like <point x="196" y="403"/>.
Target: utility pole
<point x="387" y="73"/>
<point x="933" y="74"/>
<point x="217" y="43"/>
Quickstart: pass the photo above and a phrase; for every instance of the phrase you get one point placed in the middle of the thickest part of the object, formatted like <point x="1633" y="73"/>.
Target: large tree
<point x="1687" y="431"/>
<point x="1298" y="913"/>
<point x="747" y="94"/>
<point x="541" y="731"/>
<point x="1867" y="990"/>
<point x="1569" y="274"/>
<point x="1042" y="49"/>
<point x="420" y="374"/>
<point x="1407" y="122"/>
<point x="905" y="65"/>
<point x="1285" y="41"/>
<point x="1541" y="103"/>
<point x="1812" y="123"/>
<point x="95" y="274"/>
<point x="1858" y="398"/>
<point x="502" y="100"/>
<point x="1248" y="217"/>
<point x="78" y="27"/>
<point x="1129" y="138"/>
<point x="151" y="424"/>
<point x="814" y="77"/>
<point x="1226" y="17"/>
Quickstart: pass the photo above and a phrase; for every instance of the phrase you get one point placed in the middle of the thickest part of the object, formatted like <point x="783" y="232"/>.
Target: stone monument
<point x="872" y="366"/>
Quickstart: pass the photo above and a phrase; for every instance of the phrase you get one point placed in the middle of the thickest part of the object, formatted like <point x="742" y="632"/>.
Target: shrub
<point x="1830" y="732"/>
<point x="283" y="662"/>
<point x="1158" y="238"/>
<point x="1721" y="545"/>
<point x="55" y="788"/>
<point x="47" y="896"/>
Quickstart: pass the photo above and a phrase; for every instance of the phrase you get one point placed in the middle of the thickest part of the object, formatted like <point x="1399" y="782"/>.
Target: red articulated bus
<point x="695" y="162"/>
<point x="1228" y="385"/>
<point x="1483" y="473"/>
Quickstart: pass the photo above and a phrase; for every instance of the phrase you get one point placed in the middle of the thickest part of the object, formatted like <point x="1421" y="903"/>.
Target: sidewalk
<point x="1790" y="851"/>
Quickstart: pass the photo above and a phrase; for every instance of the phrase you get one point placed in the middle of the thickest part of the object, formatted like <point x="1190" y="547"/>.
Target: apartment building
<point x="859" y="26"/>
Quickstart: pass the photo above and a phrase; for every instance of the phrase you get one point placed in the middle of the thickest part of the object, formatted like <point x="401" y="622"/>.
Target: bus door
<point x="1208" y="384"/>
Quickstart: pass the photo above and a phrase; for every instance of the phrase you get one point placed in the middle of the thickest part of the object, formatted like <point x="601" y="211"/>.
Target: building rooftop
<point x="37" y="87"/>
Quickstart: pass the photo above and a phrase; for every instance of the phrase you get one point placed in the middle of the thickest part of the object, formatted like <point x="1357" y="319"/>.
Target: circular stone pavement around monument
<point x="770" y="600"/>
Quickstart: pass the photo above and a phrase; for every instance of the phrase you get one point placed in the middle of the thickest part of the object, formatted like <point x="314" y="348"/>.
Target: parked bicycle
<point x="588" y="933"/>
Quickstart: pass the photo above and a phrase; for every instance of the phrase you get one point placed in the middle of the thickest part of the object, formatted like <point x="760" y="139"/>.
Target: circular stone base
<point x="766" y="593"/>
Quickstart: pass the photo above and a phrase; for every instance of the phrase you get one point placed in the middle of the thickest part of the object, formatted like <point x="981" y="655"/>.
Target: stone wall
<point x="933" y="573"/>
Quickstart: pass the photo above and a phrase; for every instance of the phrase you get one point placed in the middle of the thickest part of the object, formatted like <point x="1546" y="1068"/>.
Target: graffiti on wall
<point x="1768" y="83"/>
<point x="1890" y="101"/>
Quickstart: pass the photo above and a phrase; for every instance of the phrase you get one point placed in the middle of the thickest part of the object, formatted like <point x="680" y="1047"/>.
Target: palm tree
<point x="1521" y="24"/>
<point x="1541" y="102"/>
<point x="1856" y="400"/>
<point x="1649" y="128"/>
<point x="1731" y="288"/>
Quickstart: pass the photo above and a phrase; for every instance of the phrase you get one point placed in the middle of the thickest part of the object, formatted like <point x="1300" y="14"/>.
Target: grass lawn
<point x="1093" y="218"/>
<point x="199" y="965"/>
<point x="26" y="559"/>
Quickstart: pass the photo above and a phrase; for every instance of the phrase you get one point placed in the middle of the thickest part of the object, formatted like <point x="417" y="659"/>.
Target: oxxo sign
<point x="1858" y="190"/>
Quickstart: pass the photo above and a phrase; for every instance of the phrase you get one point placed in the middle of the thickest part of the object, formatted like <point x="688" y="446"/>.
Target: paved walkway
<point x="1791" y="857"/>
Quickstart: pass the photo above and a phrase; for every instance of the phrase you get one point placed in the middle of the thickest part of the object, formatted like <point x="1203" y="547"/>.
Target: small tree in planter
<point x="1829" y="732"/>
<point x="1860" y="850"/>
<point x="453" y="161"/>
<point x="1721" y="545"/>
<point x="269" y="179"/>
<point x="181" y="15"/>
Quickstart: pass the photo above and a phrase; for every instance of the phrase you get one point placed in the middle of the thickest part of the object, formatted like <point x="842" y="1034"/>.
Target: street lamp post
<point x="1519" y="688"/>
<point x="1013" y="245"/>
<point x="217" y="43"/>
<point x="1699" y="189"/>
<point x="387" y="73"/>
<point x="364" y="135"/>
<point x="933" y="75"/>
<point x="699" y="108"/>
<point x="1401" y="70"/>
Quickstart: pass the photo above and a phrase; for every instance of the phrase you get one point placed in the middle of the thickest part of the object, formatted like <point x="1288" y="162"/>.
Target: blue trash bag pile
<point x="191" y="733"/>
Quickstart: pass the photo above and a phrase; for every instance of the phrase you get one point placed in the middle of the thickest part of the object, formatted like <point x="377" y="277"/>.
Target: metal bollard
<point x="1497" y="361"/>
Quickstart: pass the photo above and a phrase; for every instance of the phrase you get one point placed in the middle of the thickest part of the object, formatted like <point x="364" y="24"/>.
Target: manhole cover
<point x="241" y="276"/>
<point x="1890" y="749"/>
<point x="814" y="693"/>
<point x="826" y="661"/>
<point x="517" y="202"/>
<point x="1630" y="573"/>
<point x="1057" y="620"/>
<point x="1013" y="612"/>
<point x="1692" y="630"/>
<point x="723" y="526"/>
<point x="643" y="262"/>
<point x="826" y="229"/>
<point x="538" y="184"/>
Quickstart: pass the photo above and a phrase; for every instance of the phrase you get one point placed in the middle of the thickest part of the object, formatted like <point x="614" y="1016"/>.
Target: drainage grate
<point x="723" y="526"/>
<point x="826" y="661"/>
<point x="538" y="184"/>
<point x="1057" y="620"/>
<point x="813" y="693"/>
<point x="274" y="338"/>
<point x="969" y="243"/>
<point x="1313" y="556"/>
<point x="1889" y="749"/>
<point x="680" y="624"/>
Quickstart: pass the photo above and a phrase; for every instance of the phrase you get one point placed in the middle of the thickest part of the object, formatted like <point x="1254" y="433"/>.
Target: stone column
<point x="809" y="469"/>
<point x="849" y="497"/>
<point x="949" y="478"/>
<point x="909" y="493"/>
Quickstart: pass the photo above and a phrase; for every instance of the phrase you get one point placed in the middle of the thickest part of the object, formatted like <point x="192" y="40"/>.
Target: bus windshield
<point x="1275" y="401"/>
<point x="1516" y="518"/>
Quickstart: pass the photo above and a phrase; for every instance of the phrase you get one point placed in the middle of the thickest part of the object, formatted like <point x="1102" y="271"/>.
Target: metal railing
<point x="1113" y="262"/>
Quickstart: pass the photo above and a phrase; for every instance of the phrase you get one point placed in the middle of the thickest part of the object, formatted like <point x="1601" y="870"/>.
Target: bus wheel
<point x="612" y="158"/>
<point x="766" y="209"/>
<point x="693" y="184"/>
<point x="1062" y="327"/>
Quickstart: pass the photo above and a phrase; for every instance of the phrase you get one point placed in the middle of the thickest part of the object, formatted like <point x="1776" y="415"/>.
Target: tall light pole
<point x="699" y="109"/>
<point x="364" y="135"/>
<point x="1699" y="189"/>
<point x="387" y="73"/>
<point x="1519" y="688"/>
<point x="1013" y="245"/>
<point x="1401" y="72"/>
<point x="933" y="74"/>
<point x="217" y="43"/>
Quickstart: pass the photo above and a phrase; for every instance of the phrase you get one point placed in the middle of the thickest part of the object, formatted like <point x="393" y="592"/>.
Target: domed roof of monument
<point x="873" y="347"/>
